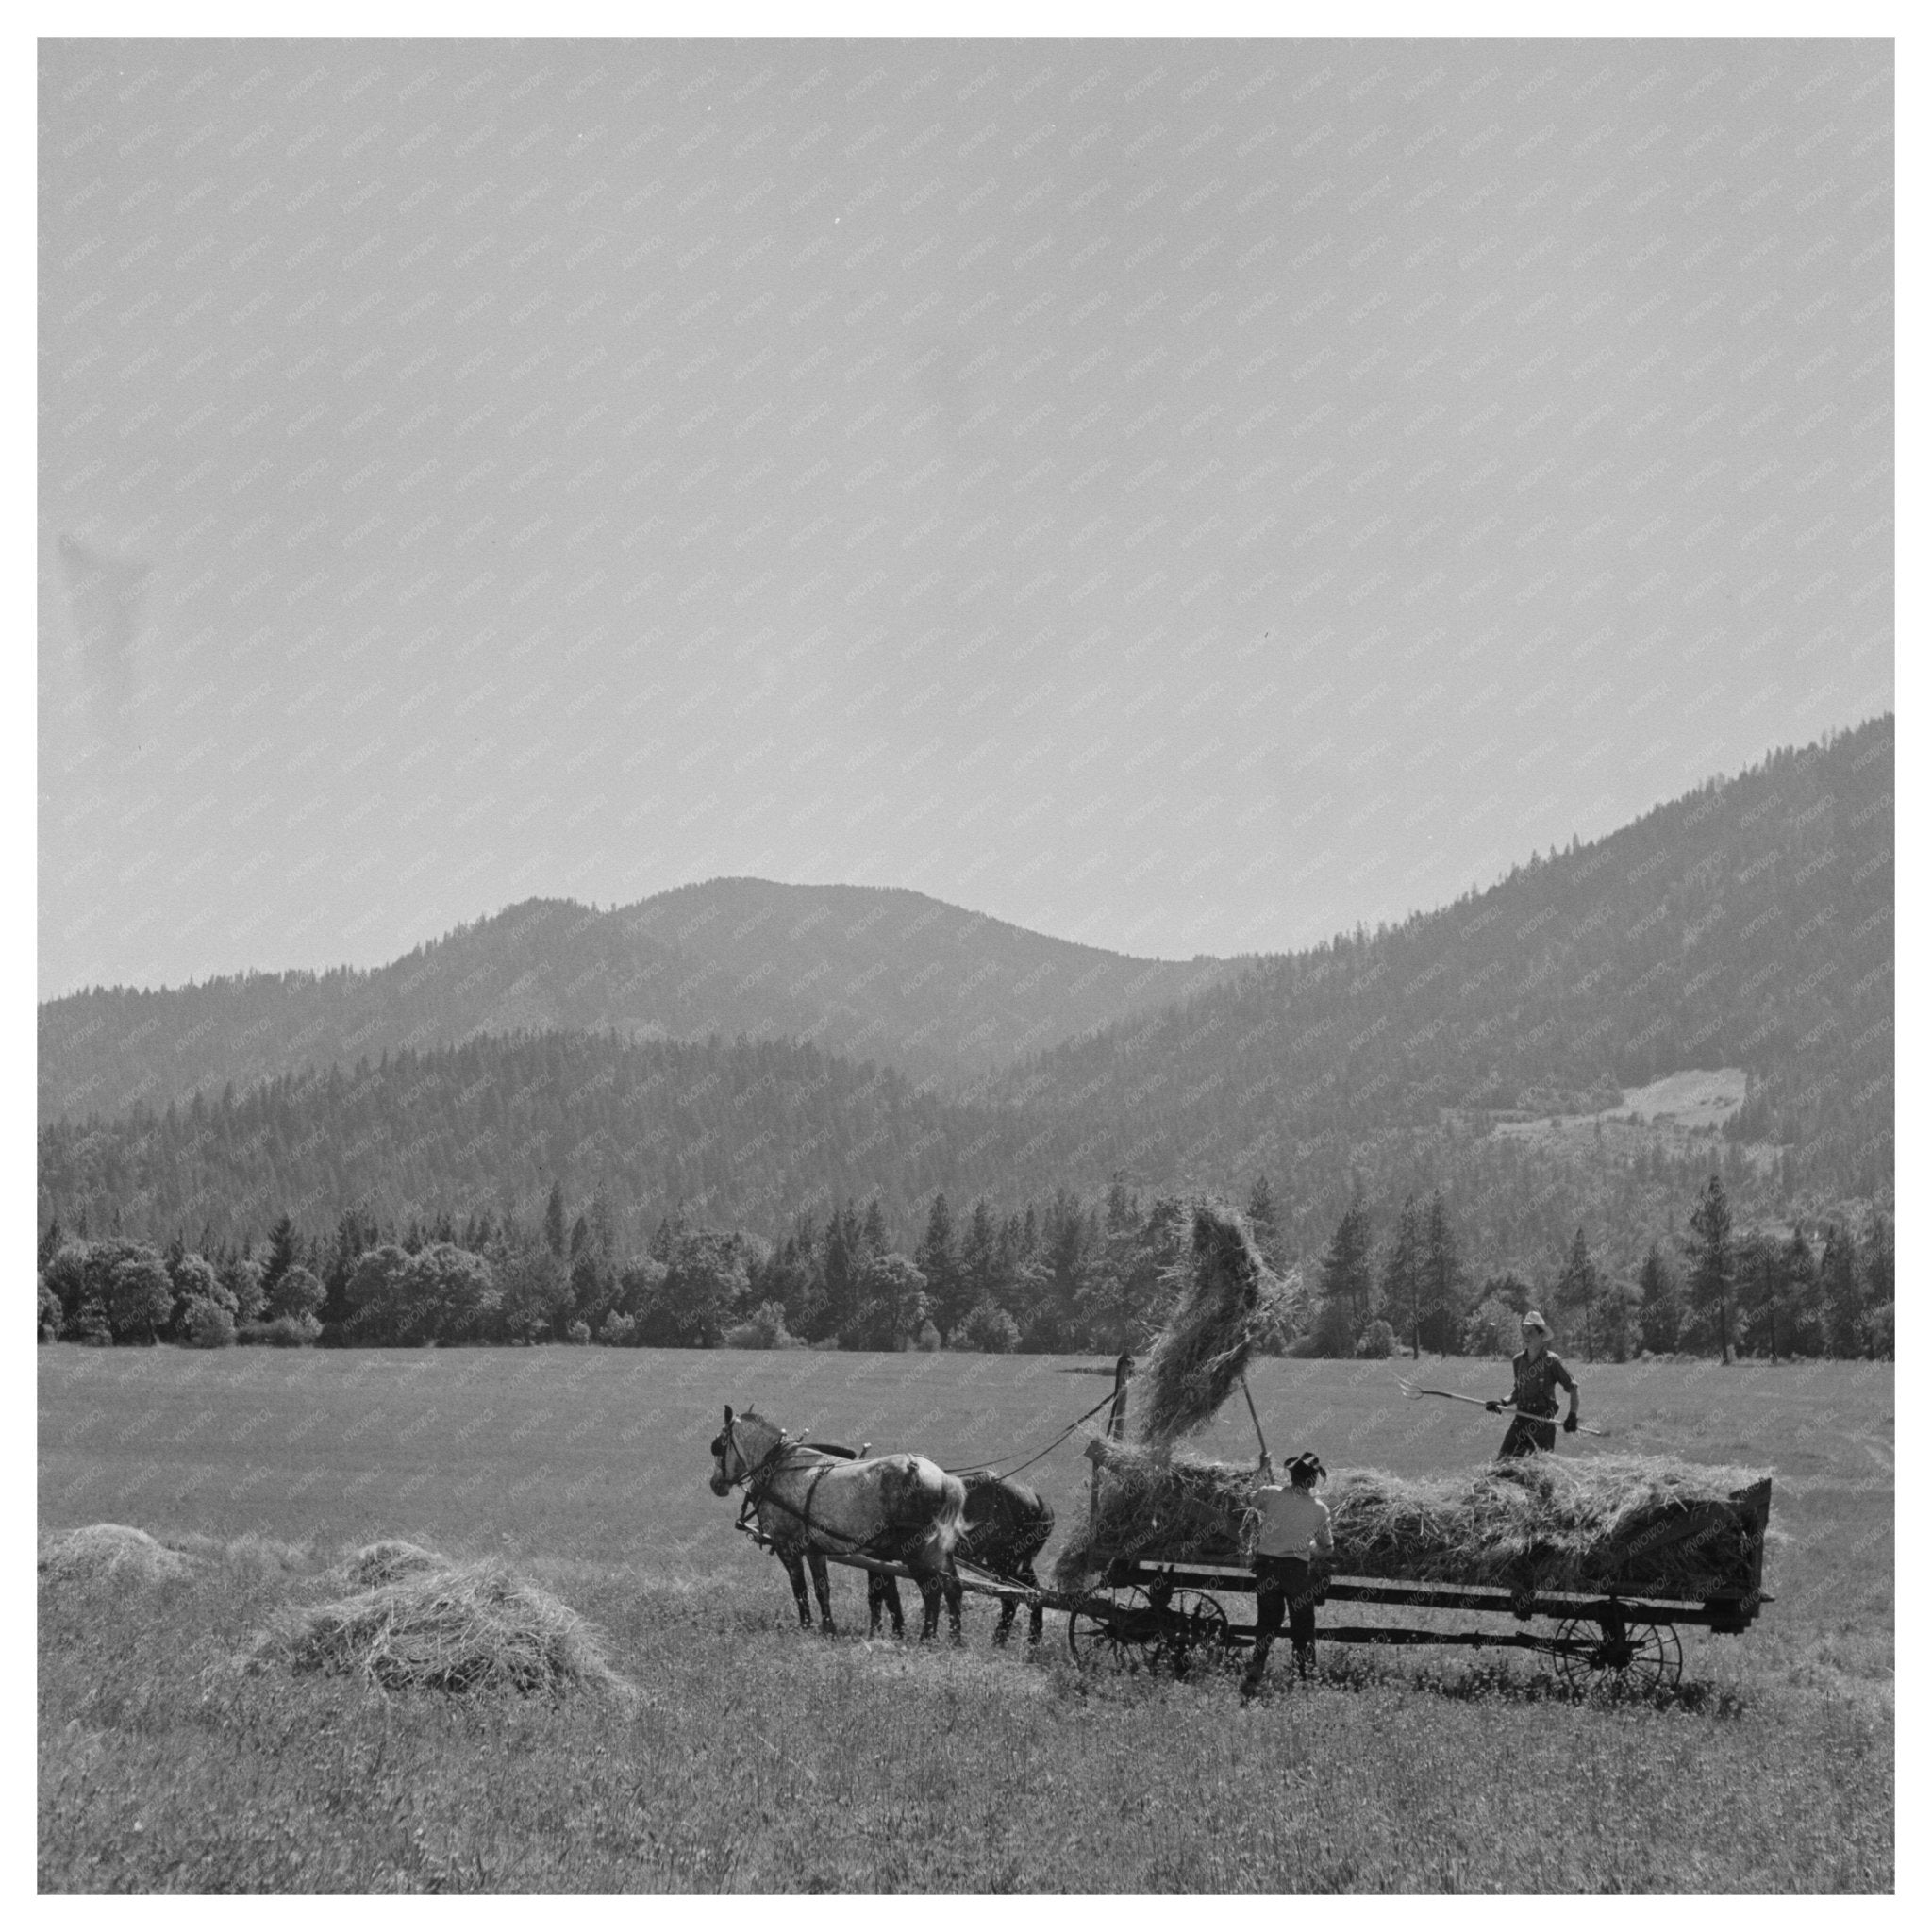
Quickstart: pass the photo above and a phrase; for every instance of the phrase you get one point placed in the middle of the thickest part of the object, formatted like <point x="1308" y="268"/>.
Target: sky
<point x="1179" y="496"/>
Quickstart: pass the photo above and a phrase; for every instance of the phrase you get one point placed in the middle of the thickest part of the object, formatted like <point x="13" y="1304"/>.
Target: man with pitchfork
<point x="1295" y="1536"/>
<point x="1539" y="1376"/>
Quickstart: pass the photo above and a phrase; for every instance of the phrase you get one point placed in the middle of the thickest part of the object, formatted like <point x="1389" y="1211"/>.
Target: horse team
<point x="812" y="1500"/>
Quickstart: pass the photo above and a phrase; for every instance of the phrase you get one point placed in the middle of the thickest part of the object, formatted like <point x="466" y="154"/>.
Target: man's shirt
<point x="1538" y="1381"/>
<point x="1292" y="1521"/>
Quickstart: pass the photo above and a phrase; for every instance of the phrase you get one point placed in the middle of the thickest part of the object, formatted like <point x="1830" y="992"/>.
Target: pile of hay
<point x="112" y="1550"/>
<point x="470" y="1627"/>
<point x="387" y="1562"/>
<point x="1536" y="1523"/>
<point x="1227" y="1303"/>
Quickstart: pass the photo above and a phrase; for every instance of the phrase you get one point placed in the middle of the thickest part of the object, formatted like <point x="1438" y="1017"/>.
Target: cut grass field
<point x="763" y="1757"/>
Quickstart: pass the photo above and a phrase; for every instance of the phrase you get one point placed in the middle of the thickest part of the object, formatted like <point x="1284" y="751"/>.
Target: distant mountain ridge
<point x="1748" y="923"/>
<point x="870" y="972"/>
<point x="1746" y="926"/>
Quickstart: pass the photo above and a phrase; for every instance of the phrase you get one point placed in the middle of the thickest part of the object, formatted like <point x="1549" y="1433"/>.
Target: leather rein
<point x="758" y="1478"/>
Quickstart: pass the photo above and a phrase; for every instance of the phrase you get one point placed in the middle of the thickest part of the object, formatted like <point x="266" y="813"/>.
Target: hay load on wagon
<point x="1540" y="1523"/>
<point x="1613" y="1522"/>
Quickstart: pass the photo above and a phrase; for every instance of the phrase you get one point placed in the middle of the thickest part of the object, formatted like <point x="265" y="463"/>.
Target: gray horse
<point x="810" y="1503"/>
<point x="1007" y="1526"/>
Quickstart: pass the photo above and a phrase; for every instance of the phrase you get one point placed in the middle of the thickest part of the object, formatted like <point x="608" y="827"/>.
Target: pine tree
<point x="1800" y="1269"/>
<point x="935" y="1260"/>
<point x="1347" y="1285"/>
<point x="840" y="1259"/>
<point x="1660" y="1311"/>
<point x="1842" y="1293"/>
<point x="284" y="1252"/>
<point x="1402" y="1277"/>
<point x="872" y="1238"/>
<point x="1261" y="1219"/>
<point x="1577" y="1287"/>
<point x="1711" y="1268"/>
<point x="1760" y="1276"/>
<point x="1876" y="1269"/>
<point x="980" y="1257"/>
<point x="1443" y="1281"/>
<point x="553" y="1221"/>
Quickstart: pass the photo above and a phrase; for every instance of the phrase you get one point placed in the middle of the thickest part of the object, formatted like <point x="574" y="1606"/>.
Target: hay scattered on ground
<point x="1538" y="1522"/>
<point x="470" y="1627"/>
<point x="112" y="1549"/>
<point x="1227" y="1305"/>
<point x="387" y="1562"/>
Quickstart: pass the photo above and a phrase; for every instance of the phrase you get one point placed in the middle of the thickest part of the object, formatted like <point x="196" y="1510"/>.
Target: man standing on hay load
<point x="1294" y="1529"/>
<point x="1539" y="1376"/>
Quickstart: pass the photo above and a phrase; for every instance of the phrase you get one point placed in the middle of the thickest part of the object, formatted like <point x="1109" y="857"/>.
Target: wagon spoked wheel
<point x="1647" y="1658"/>
<point x="1195" y="1630"/>
<point x="1117" y="1626"/>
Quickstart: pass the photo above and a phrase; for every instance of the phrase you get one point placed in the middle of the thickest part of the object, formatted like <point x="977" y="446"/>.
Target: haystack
<point x="470" y="1627"/>
<point x="1540" y="1523"/>
<point x="112" y="1550"/>
<point x="1227" y="1303"/>
<point x="388" y="1562"/>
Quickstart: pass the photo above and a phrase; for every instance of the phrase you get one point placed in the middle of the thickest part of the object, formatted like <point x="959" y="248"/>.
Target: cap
<point x="1533" y="1319"/>
<point x="1307" y="1464"/>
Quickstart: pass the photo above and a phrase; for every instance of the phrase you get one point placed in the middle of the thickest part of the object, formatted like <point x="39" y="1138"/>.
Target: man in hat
<point x="1539" y="1375"/>
<point x="1294" y="1535"/>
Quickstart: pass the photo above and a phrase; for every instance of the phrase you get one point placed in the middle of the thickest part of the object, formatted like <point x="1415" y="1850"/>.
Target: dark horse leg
<point x="882" y="1595"/>
<point x="934" y="1585"/>
<point x="822" y="1584"/>
<point x="794" y="1569"/>
<point x="1009" y="1606"/>
<point x="1039" y="1615"/>
<point x="1010" y="1609"/>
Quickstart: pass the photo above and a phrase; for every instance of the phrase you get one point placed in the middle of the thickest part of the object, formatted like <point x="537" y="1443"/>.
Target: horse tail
<point x="950" y="1519"/>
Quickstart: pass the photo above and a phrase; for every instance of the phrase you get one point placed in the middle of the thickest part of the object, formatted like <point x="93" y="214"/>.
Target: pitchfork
<point x="1415" y="1394"/>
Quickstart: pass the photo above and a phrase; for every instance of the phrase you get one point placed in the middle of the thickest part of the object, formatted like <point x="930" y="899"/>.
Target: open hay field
<point x="760" y="1758"/>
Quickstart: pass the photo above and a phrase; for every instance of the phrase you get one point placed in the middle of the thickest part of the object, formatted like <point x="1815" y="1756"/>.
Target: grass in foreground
<point x="766" y="1758"/>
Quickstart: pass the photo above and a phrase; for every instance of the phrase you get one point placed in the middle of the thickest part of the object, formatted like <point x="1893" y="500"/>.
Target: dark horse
<point x="1007" y="1523"/>
<point x="812" y="1504"/>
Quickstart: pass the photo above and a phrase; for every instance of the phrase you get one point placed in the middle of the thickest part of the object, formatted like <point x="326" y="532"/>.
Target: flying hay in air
<point x="1229" y="1303"/>
<point x="1634" y="1523"/>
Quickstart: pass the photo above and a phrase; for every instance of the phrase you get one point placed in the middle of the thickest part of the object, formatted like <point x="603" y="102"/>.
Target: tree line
<point x="1062" y="1276"/>
<point x="1718" y="1290"/>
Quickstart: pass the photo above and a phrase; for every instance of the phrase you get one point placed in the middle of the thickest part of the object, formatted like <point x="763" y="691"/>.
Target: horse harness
<point x="758" y="1493"/>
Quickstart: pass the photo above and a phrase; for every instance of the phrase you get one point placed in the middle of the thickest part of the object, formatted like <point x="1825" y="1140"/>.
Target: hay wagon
<point x="1145" y="1612"/>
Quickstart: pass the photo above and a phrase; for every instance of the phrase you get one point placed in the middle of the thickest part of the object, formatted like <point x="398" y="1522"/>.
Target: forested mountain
<point x="870" y="973"/>
<point x="745" y="1134"/>
<point x="1746" y="926"/>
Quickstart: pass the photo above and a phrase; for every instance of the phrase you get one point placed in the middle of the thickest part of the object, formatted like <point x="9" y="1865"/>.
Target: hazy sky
<point x="1178" y="496"/>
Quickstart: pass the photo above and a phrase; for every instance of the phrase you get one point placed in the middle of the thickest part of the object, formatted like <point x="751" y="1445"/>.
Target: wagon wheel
<point x="1648" y="1658"/>
<point x="1117" y="1626"/>
<point x="1194" y="1628"/>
